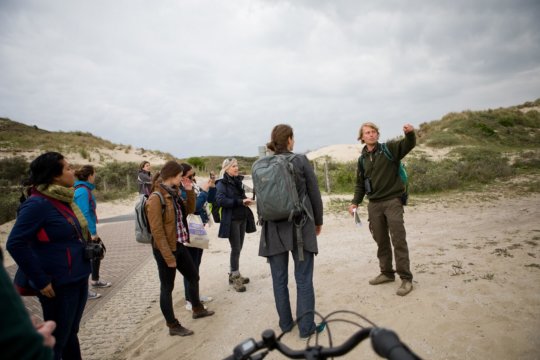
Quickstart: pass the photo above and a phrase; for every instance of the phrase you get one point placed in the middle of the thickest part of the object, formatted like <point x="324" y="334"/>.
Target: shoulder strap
<point x="65" y="211"/>
<point x="161" y="200"/>
<point x="361" y="164"/>
<point x="387" y="152"/>
<point x="90" y="200"/>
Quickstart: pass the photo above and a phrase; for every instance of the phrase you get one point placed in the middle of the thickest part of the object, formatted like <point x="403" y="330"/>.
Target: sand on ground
<point x="475" y="260"/>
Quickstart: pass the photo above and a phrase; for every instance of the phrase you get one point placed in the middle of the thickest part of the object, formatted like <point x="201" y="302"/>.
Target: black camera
<point x="94" y="250"/>
<point x="367" y="186"/>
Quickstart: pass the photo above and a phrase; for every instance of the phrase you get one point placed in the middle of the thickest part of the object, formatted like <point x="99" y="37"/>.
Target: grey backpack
<point x="142" y="227"/>
<point x="275" y="188"/>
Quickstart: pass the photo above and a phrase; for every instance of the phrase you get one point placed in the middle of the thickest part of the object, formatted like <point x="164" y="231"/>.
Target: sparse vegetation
<point x="489" y="148"/>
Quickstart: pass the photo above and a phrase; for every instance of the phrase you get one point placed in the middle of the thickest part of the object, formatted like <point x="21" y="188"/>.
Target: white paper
<point x="356" y="217"/>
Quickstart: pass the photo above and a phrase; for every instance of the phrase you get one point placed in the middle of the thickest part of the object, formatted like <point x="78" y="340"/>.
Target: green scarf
<point x="65" y="194"/>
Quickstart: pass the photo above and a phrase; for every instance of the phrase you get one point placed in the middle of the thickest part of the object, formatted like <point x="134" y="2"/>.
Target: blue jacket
<point x="203" y="198"/>
<point x="86" y="201"/>
<point x="45" y="246"/>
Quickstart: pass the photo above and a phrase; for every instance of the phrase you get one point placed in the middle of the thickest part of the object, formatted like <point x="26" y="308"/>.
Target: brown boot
<point x="177" y="329"/>
<point x="200" y="312"/>
<point x="237" y="282"/>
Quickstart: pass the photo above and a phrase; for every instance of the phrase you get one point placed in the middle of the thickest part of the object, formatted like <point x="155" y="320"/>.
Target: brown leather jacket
<point x="163" y="225"/>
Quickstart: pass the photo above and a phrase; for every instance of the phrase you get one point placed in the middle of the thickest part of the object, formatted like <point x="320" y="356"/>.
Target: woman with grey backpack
<point x="296" y="235"/>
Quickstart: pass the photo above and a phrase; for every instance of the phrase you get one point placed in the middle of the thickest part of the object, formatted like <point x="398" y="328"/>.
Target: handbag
<point x="198" y="237"/>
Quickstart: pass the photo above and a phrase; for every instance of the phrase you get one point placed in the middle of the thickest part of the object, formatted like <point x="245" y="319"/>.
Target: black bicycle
<point x="385" y="343"/>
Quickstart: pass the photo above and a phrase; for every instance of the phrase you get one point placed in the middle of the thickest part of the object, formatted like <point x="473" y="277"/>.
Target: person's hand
<point x="172" y="265"/>
<point x="407" y="128"/>
<point x="205" y="186"/>
<point x="46" y="329"/>
<point x="95" y="237"/>
<point x="351" y="209"/>
<point x="48" y="291"/>
<point x="318" y="229"/>
<point x="247" y="202"/>
<point x="187" y="183"/>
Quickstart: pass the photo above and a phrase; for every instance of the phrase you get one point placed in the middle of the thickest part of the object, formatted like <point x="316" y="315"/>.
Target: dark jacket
<point x="144" y="180"/>
<point x="279" y="237"/>
<point x="229" y="196"/>
<point x="18" y="338"/>
<point x="46" y="246"/>
<point x="384" y="174"/>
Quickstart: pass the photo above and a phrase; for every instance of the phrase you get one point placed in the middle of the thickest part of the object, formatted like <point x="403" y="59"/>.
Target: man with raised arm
<point x="378" y="179"/>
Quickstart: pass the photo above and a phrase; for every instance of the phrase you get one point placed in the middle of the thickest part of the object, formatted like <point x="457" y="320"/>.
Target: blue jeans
<point x="196" y="255"/>
<point x="66" y="309"/>
<point x="305" y="294"/>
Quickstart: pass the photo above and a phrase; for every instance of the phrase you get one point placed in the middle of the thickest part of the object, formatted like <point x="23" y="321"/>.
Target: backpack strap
<point x="389" y="156"/>
<point x="90" y="199"/>
<point x="161" y="200"/>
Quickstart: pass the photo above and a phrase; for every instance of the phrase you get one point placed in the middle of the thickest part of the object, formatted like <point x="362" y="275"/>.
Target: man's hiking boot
<point x="405" y="288"/>
<point x="177" y="329"/>
<point x="381" y="279"/>
<point x="237" y="283"/>
<point x="200" y="312"/>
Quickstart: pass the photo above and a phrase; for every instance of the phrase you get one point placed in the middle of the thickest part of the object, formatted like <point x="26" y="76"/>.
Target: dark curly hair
<point x="45" y="168"/>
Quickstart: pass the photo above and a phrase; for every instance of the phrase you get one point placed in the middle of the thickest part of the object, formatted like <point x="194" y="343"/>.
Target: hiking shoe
<point x="381" y="279"/>
<point x="100" y="284"/>
<point x="237" y="283"/>
<point x="179" y="330"/>
<point x="405" y="288"/>
<point x="201" y="313"/>
<point x="243" y="280"/>
<point x="93" y="295"/>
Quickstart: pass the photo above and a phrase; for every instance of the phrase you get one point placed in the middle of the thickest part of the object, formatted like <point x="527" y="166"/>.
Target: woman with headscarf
<point x="48" y="244"/>
<point x="236" y="217"/>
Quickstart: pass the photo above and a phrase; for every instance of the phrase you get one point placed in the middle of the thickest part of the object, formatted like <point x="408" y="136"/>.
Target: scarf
<point x="182" y="235"/>
<point x="64" y="194"/>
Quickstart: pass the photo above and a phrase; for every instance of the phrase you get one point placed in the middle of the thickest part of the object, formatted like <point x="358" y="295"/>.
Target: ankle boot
<point x="200" y="312"/>
<point x="237" y="282"/>
<point x="176" y="328"/>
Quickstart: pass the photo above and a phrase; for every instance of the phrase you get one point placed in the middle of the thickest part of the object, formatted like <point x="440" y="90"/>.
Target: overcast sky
<point x="203" y="77"/>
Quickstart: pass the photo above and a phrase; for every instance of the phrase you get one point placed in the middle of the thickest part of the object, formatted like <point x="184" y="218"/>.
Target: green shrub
<point x="197" y="162"/>
<point x="13" y="170"/>
<point x="9" y="202"/>
<point x="443" y="139"/>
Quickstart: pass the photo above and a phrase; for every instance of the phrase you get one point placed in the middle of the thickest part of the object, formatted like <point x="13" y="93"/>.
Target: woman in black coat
<point x="236" y="217"/>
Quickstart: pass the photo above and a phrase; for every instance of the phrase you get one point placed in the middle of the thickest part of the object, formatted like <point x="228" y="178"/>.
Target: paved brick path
<point x="129" y="266"/>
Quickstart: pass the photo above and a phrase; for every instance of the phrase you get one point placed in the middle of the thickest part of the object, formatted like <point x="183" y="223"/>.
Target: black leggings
<point x="95" y="269"/>
<point x="185" y="265"/>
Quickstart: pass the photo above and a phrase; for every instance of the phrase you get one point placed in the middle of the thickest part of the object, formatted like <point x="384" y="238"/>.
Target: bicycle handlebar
<point x="385" y="342"/>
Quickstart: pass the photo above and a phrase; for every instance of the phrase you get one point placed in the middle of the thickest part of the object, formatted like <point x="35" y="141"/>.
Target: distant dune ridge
<point x="435" y="139"/>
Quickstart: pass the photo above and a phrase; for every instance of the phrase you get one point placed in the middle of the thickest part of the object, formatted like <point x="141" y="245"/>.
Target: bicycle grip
<point x="386" y="343"/>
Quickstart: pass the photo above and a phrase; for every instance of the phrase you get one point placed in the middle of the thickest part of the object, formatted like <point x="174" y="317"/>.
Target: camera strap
<point x="66" y="212"/>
